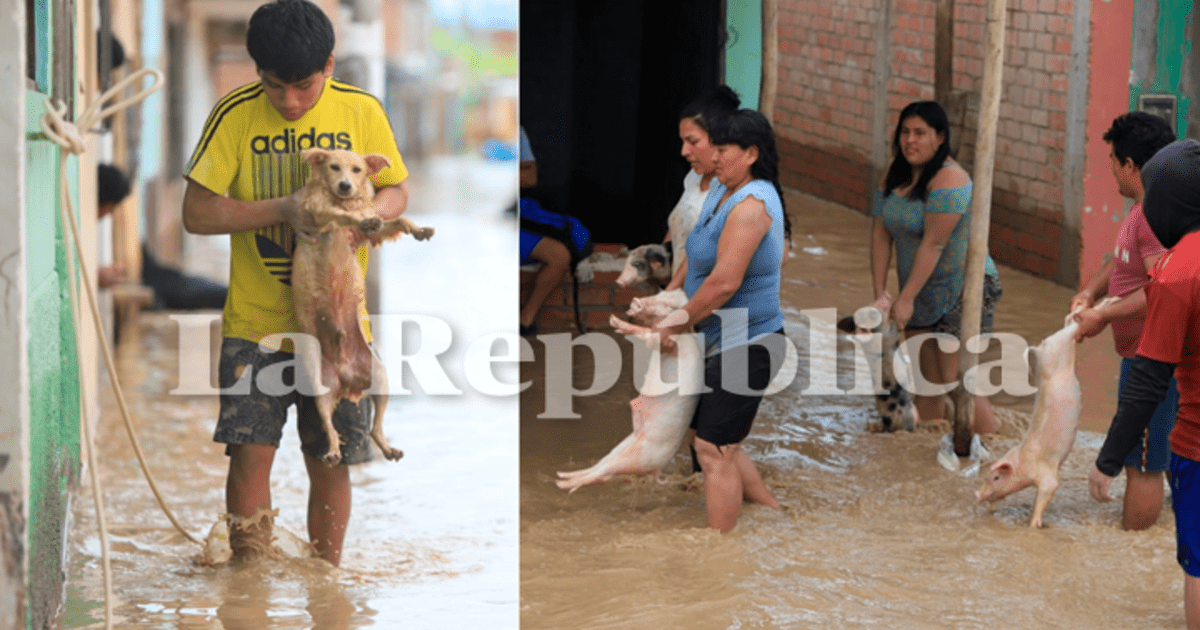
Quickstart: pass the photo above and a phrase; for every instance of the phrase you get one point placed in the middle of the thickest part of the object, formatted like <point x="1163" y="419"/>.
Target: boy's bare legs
<point x="1143" y="499"/>
<point x="247" y="492"/>
<point x="1191" y="601"/>
<point x="328" y="507"/>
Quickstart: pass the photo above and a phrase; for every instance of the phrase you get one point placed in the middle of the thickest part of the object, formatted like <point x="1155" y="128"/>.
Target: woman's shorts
<point x="528" y="241"/>
<point x="725" y="414"/>
<point x="1153" y="451"/>
<point x="1185" y="500"/>
<point x="951" y="322"/>
<point x="257" y="417"/>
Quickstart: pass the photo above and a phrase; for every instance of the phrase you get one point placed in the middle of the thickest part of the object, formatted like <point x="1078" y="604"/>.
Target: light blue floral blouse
<point x="905" y="221"/>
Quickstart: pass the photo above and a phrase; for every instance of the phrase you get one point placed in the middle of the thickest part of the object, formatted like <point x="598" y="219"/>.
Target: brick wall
<point x="831" y="79"/>
<point x="598" y="298"/>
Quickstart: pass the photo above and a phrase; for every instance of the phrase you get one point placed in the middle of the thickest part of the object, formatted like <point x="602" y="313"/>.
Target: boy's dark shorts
<point x="1185" y="499"/>
<point x="724" y="417"/>
<point x="257" y="417"/>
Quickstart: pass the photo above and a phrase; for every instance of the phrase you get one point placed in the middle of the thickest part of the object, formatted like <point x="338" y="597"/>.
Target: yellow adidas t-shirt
<point x="249" y="152"/>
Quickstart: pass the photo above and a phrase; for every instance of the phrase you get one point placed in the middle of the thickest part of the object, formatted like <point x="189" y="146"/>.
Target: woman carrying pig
<point x="731" y="278"/>
<point x="922" y="207"/>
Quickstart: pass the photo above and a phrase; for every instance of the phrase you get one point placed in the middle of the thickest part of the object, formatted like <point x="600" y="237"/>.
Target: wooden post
<point x="981" y="211"/>
<point x="943" y="52"/>
<point x="770" y="59"/>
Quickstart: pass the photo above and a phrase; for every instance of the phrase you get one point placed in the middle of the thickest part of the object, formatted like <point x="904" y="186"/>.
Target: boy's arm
<point x="206" y="212"/>
<point x="391" y="201"/>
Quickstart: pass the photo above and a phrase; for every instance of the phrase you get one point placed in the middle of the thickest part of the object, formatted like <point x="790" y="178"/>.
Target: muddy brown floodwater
<point x="873" y="532"/>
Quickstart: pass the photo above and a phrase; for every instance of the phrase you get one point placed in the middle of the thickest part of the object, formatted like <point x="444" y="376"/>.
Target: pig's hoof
<point x="371" y="225"/>
<point x="423" y="234"/>
<point x="332" y="458"/>
<point x="393" y="454"/>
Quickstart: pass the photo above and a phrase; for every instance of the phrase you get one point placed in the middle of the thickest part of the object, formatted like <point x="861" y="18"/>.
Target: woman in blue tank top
<point x="731" y="278"/>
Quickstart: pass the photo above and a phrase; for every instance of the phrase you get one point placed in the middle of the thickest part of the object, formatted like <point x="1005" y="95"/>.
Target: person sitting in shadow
<point x="173" y="289"/>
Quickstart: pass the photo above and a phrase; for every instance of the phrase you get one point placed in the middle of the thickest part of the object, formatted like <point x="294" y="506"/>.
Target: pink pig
<point x="1036" y="460"/>
<point x="660" y="418"/>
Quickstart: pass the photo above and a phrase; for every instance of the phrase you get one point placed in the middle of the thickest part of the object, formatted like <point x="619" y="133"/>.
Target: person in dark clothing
<point x="172" y="288"/>
<point x="1168" y="345"/>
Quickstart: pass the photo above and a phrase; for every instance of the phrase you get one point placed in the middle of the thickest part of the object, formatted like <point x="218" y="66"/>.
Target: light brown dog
<point x="336" y="217"/>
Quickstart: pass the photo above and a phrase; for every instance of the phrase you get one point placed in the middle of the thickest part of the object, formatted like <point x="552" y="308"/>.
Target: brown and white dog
<point x="336" y="217"/>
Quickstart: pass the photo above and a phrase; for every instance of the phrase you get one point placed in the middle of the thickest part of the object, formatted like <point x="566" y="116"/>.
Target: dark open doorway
<point x="602" y="84"/>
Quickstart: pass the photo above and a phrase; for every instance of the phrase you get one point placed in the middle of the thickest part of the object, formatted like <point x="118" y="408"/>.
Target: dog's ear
<point x="376" y="162"/>
<point x="314" y="156"/>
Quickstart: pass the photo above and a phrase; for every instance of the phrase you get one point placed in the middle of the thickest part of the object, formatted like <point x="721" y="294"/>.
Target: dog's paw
<point x="371" y="225"/>
<point x="422" y="234"/>
<point x="393" y="454"/>
<point x="332" y="457"/>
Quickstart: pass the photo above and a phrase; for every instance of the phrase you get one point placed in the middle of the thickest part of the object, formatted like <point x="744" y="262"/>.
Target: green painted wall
<point x="743" y="50"/>
<point x="1174" y="48"/>
<point x="54" y="442"/>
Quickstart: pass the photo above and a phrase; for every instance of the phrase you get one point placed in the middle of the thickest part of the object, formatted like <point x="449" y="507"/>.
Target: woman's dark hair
<point x="749" y="128"/>
<point x="900" y="172"/>
<point x="717" y="102"/>
<point x="292" y="39"/>
<point x="1138" y="136"/>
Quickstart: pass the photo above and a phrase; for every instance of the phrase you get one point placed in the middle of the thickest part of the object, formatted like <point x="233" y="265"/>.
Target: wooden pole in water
<point x="981" y="211"/>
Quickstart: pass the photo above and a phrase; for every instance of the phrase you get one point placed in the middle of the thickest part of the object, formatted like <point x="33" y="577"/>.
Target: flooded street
<point x="873" y="533"/>
<point x="432" y="540"/>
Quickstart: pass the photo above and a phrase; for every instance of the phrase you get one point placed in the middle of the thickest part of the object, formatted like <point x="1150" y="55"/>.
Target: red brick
<point x="605" y="277"/>
<point x="607" y="248"/>
<point x="593" y="295"/>
<point x="597" y="320"/>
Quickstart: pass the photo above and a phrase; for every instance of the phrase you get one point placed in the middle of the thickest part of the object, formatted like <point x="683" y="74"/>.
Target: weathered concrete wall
<point x="847" y="67"/>
<point x="14" y="383"/>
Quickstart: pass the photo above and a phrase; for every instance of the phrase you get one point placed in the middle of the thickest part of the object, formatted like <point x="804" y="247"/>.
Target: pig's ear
<point x="314" y="156"/>
<point x="376" y="162"/>
<point x="657" y="257"/>
<point x="1002" y="467"/>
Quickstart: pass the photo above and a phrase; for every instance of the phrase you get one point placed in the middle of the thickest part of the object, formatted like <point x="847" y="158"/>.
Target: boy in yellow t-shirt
<point x="243" y="179"/>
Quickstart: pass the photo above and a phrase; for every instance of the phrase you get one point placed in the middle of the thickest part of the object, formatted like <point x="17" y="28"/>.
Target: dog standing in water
<point x="337" y="216"/>
<point x="880" y="340"/>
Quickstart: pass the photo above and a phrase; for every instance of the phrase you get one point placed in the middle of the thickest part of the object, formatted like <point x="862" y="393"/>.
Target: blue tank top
<point x="754" y="309"/>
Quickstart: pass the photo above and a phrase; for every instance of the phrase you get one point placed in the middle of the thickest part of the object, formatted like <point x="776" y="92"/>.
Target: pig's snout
<point x="628" y="276"/>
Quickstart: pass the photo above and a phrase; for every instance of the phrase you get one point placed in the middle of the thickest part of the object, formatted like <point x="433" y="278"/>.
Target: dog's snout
<point x="344" y="187"/>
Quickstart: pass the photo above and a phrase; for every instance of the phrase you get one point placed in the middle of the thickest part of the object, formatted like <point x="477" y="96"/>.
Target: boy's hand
<point x="1083" y="298"/>
<point x="291" y="211"/>
<point x="1098" y="485"/>
<point x="1091" y="323"/>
